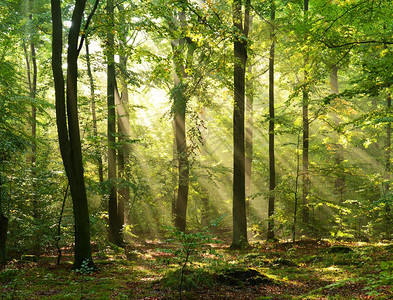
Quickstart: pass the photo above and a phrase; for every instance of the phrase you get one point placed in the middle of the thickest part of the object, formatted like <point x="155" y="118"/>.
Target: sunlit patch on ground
<point x="305" y="270"/>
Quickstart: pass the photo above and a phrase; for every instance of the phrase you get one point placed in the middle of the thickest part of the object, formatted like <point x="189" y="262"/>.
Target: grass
<point x="305" y="270"/>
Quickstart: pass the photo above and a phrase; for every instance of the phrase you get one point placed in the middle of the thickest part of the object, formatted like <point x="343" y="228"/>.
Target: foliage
<point x="190" y="244"/>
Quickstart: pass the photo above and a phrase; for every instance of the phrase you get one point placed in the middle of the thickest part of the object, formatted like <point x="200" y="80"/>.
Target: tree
<point x="239" y="239"/>
<point x="68" y="124"/>
<point x="183" y="50"/>
<point x="32" y="73"/>
<point x="98" y="155"/>
<point x="306" y="134"/>
<point x="123" y="115"/>
<point x="272" y="167"/>
<point x="114" y="218"/>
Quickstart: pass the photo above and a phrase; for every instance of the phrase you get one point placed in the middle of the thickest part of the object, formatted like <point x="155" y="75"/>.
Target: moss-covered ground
<point x="152" y="269"/>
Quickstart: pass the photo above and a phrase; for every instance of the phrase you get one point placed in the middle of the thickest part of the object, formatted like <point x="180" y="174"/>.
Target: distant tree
<point x="3" y="226"/>
<point x="98" y="155"/>
<point x="272" y="162"/>
<point x="306" y="133"/>
<point x="239" y="239"/>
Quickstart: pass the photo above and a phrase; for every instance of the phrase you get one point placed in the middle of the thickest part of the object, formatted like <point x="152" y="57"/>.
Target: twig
<point x="57" y="238"/>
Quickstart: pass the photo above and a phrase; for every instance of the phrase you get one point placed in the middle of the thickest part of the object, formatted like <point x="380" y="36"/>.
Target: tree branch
<point x="358" y="43"/>
<point x="87" y="25"/>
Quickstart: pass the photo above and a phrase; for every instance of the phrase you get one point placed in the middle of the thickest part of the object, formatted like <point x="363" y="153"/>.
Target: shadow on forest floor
<point x="153" y="269"/>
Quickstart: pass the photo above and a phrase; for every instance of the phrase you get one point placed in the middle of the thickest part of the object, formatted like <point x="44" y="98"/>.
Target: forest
<point x="196" y="149"/>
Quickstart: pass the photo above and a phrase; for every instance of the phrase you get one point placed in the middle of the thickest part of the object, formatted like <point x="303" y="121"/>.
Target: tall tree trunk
<point x="388" y="146"/>
<point x="272" y="167"/>
<point x="339" y="183"/>
<point x="182" y="155"/>
<point x="93" y="113"/>
<point x="114" y="222"/>
<point x="205" y="209"/>
<point x="239" y="239"/>
<point x="388" y="155"/>
<point x="306" y="133"/>
<point x="124" y="128"/>
<point x="249" y="133"/>
<point x="249" y="130"/>
<point x="3" y="226"/>
<point x="68" y="125"/>
<point x="180" y="106"/>
<point x="32" y="71"/>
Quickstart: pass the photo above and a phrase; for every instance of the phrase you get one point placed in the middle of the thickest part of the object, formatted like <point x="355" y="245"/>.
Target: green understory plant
<point x="191" y="244"/>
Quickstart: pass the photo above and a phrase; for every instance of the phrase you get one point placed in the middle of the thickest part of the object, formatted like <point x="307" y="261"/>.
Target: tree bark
<point x="239" y="239"/>
<point x="306" y="133"/>
<point x="182" y="155"/>
<point x="249" y="131"/>
<point x="249" y="134"/>
<point x="32" y="71"/>
<point x="339" y="183"/>
<point x="93" y="113"/>
<point x="124" y="128"/>
<point x="388" y="146"/>
<point x="180" y="106"/>
<point x="388" y="155"/>
<point x="3" y="227"/>
<point x="68" y="125"/>
<point x="3" y="237"/>
<point x="114" y="222"/>
<point x="272" y="167"/>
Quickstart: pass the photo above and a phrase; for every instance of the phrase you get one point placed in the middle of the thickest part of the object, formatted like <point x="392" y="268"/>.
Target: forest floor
<point x="152" y="269"/>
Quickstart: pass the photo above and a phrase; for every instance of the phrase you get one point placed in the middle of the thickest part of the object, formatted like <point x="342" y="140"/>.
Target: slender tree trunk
<point x="388" y="155"/>
<point x="180" y="106"/>
<point x="93" y="113"/>
<point x="205" y="210"/>
<point x="388" y="146"/>
<point x="32" y="71"/>
<point x="239" y="239"/>
<point x="32" y="82"/>
<point x="272" y="167"/>
<point x="306" y="133"/>
<point x="124" y="128"/>
<point x="114" y="222"/>
<point x="174" y="172"/>
<point x="182" y="195"/>
<point x="249" y="134"/>
<point x="296" y="187"/>
<point x="68" y="125"/>
<point x="249" y="129"/>
<point x="3" y="226"/>
<point x="339" y="183"/>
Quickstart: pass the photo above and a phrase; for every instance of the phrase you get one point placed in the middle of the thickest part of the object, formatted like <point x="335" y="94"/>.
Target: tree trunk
<point x="180" y="106"/>
<point x="306" y="133"/>
<point x="93" y="113"/>
<point x="388" y="154"/>
<point x="3" y="227"/>
<point x="249" y="130"/>
<point x="249" y="134"/>
<point x="3" y="237"/>
<point x="388" y="146"/>
<point x="239" y="239"/>
<point x="339" y="183"/>
<point x="272" y="167"/>
<point x="124" y="128"/>
<point x="32" y="71"/>
<point x="181" y="144"/>
<point x="68" y="125"/>
<point x="114" y="222"/>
